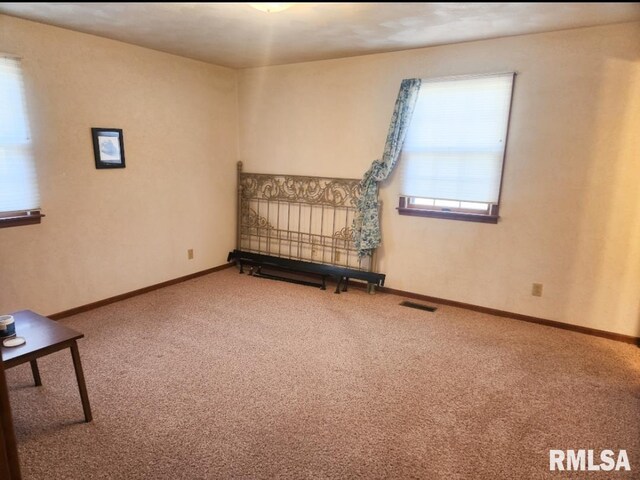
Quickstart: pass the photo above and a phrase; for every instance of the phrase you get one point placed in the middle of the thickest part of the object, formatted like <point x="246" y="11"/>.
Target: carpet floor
<point x="229" y="376"/>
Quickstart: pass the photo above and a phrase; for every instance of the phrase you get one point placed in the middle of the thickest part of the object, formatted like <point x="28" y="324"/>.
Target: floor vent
<point x="419" y="306"/>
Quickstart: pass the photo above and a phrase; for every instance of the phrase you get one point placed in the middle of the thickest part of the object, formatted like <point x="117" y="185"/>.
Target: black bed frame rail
<point x="341" y="274"/>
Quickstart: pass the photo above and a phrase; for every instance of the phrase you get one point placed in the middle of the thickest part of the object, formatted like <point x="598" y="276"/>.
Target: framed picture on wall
<point x="108" y="147"/>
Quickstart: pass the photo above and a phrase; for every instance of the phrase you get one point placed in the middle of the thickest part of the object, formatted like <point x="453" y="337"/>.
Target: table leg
<point x="36" y="373"/>
<point x="75" y="354"/>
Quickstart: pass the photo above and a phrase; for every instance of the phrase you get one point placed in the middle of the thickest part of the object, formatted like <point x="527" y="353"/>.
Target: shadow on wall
<point x="604" y="277"/>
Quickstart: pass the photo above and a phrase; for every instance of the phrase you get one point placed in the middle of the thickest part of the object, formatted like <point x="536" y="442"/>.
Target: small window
<point x="19" y="198"/>
<point x="452" y="159"/>
<point x="450" y="205"/>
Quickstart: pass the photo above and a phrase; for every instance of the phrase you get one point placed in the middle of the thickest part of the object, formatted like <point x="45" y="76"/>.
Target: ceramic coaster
<point x="13" y="342"/>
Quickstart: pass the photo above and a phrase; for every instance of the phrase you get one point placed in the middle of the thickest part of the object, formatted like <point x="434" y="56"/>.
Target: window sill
<point x="19" y="220"/>
<point x="465" y="217"/>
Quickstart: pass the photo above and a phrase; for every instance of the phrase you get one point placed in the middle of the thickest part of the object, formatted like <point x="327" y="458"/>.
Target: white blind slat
<point x="18" y="182"/>
<point x="455" y="144"/>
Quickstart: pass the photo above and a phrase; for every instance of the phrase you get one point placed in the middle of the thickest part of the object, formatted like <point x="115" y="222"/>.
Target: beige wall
<point x="571" y="205"/>
<point x="107" y="232"/>
<point x="571" y="201"/>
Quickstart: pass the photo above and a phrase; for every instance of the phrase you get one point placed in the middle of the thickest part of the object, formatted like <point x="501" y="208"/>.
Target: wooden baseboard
<point x="619" y="337"/>
<point x="416" y="296"/>
<point x="140" y="291"/>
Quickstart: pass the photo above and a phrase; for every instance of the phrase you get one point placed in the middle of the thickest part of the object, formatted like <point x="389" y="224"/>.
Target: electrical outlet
<point x="536" y="289"/>
<point x="190" y="254"/>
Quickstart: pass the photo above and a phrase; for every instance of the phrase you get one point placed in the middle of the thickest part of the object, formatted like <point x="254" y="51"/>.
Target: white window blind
<point x="18" y="183"/>
<point x="455" y="144"/>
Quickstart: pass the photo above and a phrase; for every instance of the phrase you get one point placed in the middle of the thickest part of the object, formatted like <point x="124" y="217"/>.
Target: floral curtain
<point x="366" y="224"/>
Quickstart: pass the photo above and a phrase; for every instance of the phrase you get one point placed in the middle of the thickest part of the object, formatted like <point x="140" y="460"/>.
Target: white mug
<point x="7" y="326"/>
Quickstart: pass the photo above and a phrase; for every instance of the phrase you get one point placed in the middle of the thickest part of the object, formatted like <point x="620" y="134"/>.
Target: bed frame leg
<point x="324" y="283"/>
<point x="338" y="285"/>
<point x="346" y="284"/>
<point x="371" y="288"/>
<point x="241" y="268"/>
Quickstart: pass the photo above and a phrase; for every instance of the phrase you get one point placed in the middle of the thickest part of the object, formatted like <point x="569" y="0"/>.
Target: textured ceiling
<point x="236" y="35"/>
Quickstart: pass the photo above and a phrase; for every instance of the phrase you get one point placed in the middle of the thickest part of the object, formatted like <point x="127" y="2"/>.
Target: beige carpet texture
<point x="231" y="376"/>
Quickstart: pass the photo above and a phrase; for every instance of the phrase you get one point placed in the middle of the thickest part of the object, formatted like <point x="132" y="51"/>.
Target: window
<point x="19" y="199"/>
<point x="451" y="163"/>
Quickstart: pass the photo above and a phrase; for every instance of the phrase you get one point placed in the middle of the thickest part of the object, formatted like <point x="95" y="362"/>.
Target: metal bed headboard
<point x="299" y="218"/>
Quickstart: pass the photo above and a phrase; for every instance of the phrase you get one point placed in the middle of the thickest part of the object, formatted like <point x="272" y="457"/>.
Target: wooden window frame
<point x="18" y="219"/>
<point x="406" y="208"/>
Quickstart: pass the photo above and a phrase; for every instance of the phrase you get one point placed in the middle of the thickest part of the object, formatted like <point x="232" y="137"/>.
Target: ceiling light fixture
<point x="271" y="7"/>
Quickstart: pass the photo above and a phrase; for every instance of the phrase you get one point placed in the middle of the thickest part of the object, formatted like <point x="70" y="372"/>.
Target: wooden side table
<point x="44" y="336"/>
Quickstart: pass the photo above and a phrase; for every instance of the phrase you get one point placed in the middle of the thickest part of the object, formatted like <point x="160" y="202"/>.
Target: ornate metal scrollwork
<point x="345" y="233"/>
<point x="251" y="219"/>
<point x="299" y="217"/>
<point x="332" y="192"/>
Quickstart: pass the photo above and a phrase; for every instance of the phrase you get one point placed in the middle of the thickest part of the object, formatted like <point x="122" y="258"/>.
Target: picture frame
<point x="108" y="147"/>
